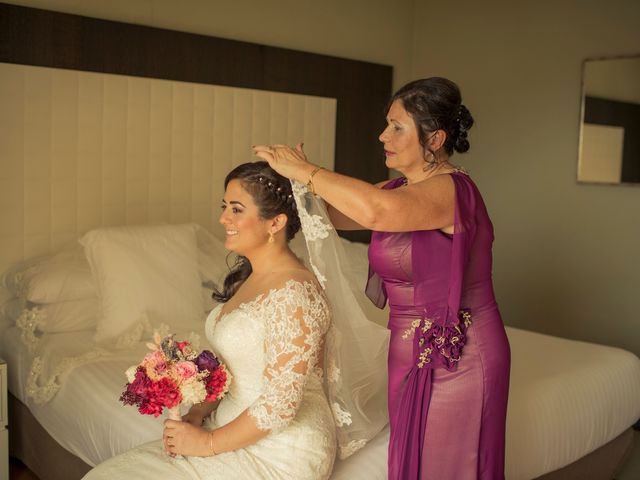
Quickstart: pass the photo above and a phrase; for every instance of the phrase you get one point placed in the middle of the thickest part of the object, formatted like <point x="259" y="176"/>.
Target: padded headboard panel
<point x="144" y="150"/>
<point x="80" y="150"/>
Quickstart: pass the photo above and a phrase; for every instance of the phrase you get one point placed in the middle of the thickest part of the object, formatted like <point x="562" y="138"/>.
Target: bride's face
<point x="244" y="229"/>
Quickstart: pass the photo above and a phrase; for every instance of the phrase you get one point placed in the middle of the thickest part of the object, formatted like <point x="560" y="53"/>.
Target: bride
<point x="271" y="329"/>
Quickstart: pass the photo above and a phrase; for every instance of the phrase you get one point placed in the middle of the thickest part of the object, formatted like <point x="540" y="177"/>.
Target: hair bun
<point x="465" y="122"/>
<point x="464" y="118"/>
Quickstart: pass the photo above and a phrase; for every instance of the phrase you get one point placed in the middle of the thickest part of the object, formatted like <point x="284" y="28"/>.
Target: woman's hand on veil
<point x="288" y="162"/>
<point x="183" y="438"/>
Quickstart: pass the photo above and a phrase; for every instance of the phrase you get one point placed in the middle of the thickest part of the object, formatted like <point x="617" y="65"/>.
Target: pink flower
<point x="160" y="368"/>
<point x="186" y="369"/>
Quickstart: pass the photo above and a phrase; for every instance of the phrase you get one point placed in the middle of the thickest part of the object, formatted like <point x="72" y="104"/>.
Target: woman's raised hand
<point x="288" y="162"/>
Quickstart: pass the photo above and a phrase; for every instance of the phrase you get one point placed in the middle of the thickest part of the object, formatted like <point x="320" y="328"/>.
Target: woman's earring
<point x="271" y="237"/>
<point x="429" y="163"/>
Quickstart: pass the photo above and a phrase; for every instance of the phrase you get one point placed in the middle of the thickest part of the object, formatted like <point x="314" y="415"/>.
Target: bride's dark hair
<point x="272" y="194"/>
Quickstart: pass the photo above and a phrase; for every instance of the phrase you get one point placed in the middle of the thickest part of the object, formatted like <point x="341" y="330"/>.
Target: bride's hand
<point x="288" y="162"/>
<point x="183" y="438"/>
<point x="194" y="418"/>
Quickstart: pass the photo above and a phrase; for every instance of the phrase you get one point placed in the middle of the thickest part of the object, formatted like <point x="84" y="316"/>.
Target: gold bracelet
<point x="213" y="452"/>
<point x="310" y="181"/>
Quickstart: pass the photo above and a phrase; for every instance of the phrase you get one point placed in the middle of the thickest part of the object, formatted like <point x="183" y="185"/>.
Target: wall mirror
<point x="609" y="150"/>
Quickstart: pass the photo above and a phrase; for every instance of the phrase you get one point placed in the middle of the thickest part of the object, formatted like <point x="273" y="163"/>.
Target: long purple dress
<point x="449" y="355"/>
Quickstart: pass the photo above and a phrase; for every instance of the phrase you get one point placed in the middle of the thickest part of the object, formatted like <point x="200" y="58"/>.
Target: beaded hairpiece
<point x="278" y="192"/>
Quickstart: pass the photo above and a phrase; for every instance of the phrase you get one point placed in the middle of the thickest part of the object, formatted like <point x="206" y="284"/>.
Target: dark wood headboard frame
<point x="32" y="36"/>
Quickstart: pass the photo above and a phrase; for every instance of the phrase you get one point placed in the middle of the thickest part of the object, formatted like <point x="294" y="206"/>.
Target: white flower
<point x="131" y="373"/>
<point x="193" y="390"/>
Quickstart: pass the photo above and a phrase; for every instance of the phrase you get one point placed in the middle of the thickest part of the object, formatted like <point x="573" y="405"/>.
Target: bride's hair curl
<point x="273" y="196"/>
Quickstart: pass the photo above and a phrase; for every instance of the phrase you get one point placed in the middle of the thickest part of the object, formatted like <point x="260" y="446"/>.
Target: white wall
<point x="567" y="256"/>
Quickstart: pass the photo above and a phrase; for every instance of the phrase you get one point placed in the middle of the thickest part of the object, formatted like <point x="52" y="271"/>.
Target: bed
<point x="100" y="130"/>
<point x="570" y="402"/>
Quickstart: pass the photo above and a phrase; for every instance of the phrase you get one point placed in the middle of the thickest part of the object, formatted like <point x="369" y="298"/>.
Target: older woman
<point x="430" y="256"/>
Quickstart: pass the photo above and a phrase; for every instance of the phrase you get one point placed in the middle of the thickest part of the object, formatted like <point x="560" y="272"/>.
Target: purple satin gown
<point x="449" y="355"/>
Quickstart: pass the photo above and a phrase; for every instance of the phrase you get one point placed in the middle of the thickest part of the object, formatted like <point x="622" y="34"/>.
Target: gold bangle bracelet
<point x="310" y="181"/>
<point x="213" y="452"/>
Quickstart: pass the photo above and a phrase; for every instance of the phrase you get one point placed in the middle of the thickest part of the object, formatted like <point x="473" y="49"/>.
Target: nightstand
<point x="4" y="421"/>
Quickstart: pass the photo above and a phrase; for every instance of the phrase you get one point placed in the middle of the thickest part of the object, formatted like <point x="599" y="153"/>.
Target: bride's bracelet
<point x="213" y="452"/>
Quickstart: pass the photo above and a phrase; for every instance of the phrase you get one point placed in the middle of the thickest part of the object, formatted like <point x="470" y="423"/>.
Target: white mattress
<point x="567" y="398"/>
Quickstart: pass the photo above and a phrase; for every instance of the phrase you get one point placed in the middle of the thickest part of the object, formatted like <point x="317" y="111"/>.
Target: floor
<point x="631" y="470"/>
<point x="17" y="471"/>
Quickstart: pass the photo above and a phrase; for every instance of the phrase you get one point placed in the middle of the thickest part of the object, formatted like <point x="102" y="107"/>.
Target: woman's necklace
<point x="454" y="169"/>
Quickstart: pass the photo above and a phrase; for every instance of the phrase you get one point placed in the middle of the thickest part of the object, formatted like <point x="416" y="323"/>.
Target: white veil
<point x="356" y="350"/>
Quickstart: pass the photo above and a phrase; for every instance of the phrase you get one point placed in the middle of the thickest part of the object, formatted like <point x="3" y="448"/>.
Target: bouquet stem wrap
<point x="174" y="413"/>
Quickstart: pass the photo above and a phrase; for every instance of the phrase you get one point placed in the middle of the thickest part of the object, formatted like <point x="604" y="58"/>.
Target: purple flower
<point x="206" y="361"/>
<point x="135" y="392"/>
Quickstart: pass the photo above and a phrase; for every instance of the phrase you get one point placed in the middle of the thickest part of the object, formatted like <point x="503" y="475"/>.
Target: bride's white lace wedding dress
<point x="272" y="346"/>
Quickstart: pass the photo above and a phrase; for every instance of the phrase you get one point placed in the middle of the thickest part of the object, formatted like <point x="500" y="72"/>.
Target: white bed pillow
<point x="10" y="310"/>
<point x="72" y="316"/>
<point x="144" y="273"/>
<point x="61" y="277"/>
<point x="212" y="257"/>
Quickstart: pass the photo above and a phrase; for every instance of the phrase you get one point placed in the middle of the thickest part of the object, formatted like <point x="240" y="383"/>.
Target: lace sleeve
<point x="297" y="317"/>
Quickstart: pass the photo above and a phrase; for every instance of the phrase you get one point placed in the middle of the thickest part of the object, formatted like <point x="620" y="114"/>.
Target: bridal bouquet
<point x="173" y="373"/>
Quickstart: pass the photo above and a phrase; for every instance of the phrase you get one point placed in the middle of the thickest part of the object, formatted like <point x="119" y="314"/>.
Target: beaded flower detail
<point x="445" y="341"/>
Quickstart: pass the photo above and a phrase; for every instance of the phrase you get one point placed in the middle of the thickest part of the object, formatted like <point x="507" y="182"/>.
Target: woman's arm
<point x="183" y="438"/>
<point x="198" y="412"/>
<point x="342" y="222"/>
<point x="426" y="205"/>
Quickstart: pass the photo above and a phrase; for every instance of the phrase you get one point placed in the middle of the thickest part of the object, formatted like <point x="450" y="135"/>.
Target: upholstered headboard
<point x="105" y="123"/>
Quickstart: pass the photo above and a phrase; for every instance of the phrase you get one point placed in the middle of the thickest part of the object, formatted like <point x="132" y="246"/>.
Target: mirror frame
<point x="581" y="120"/>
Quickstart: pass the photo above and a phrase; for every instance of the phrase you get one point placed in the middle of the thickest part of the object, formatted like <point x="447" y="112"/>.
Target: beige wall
<point x="373" y="30"/>
<point x="567" y="256"/>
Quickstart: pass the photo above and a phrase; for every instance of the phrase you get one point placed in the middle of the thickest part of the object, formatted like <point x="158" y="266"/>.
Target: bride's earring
<point x="271" y="237"/>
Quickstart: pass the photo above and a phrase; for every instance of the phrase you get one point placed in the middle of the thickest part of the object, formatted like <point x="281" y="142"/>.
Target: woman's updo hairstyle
<point x="273" y="196"/>
<point x="436" y="104"/>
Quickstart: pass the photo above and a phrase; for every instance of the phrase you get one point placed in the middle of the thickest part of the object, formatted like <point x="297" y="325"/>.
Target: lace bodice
<point x="272" y="347"/>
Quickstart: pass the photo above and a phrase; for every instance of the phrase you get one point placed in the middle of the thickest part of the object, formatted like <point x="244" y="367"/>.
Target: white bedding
<point x="567" y="398"/>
